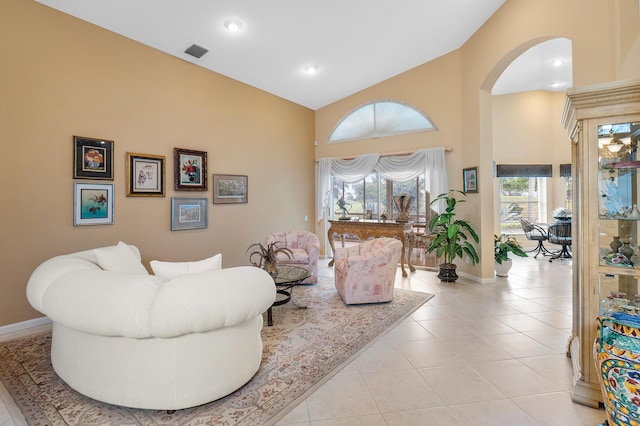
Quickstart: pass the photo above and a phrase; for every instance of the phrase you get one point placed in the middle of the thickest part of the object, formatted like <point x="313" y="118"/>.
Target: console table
<point x="365" y="229"/>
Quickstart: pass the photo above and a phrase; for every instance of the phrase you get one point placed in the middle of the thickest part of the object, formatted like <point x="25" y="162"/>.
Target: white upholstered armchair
<point x="305" y="247"/>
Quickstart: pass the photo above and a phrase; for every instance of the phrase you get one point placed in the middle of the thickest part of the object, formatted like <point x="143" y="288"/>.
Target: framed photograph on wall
<point x="93" y="158"/>
<point x="189" y="213"/>
<point x="190" y="170"/>
<point x="145" y="175"/>
<point x="92" y="204"/>
<point x="470" y="179"/>
<point x="230" y="189"/>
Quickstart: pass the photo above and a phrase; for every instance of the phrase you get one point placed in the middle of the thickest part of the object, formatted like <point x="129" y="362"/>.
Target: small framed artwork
<point x="188" y="213"/>
<point x="470" y="179"/>
<point x="190" y="170"/>
<point x="230" y="189"/>
<point x="145" y="175"/>
<point x="92" y="204"/>
<point x="93" y="158"/>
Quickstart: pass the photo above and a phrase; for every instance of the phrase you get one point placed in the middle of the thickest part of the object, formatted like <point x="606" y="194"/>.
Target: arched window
<point x="379" y="119"/>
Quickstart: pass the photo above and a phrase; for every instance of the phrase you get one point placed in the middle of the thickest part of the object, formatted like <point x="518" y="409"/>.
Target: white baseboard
<point x="477" y="279"/>
<point x="24" y="325"/>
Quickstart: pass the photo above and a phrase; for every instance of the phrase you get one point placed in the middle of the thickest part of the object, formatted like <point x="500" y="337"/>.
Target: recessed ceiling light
<point x="557" y="62"/>
<point x="233" y="25"/>
<point x="311" y="69"/>
<point x="556" y="84"/>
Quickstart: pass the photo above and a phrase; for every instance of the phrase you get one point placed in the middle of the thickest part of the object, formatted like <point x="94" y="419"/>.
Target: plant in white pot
<point x="503" y="245"/>
<point x="451" y="237"/>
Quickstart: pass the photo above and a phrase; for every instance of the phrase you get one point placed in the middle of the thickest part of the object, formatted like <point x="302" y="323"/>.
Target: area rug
<point x="302" y="350"/>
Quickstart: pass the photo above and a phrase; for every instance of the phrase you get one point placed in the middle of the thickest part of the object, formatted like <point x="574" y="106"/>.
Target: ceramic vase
<point x="403" y="204"/>
<point x="447" y="272"/>
<point x="271" y="268"/>
<point x="626" y="250"/>
<point x="615" y="244"/>
<point x="502" y="269"/>
<point x="616" y="351"/>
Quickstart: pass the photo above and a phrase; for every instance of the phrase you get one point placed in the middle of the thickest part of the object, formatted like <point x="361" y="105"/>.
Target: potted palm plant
<point x="451" y="237"/>
<point x="503" y="245"/>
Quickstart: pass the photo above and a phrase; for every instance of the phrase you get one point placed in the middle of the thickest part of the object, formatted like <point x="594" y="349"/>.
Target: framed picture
<point x="93" y="158"/>
<point x="145" y="175"/>
<point x="230" y="189"/>
<point x="190" y="170"/>
<point x="188" y="213"/>
<point x="92" y="204"/>
<point x="470" y="179"/>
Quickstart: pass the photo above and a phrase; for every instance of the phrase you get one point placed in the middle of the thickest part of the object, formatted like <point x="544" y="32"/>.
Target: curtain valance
<point x="524" y="170"/>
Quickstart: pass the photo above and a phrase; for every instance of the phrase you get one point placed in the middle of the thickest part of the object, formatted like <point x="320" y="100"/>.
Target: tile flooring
<point x="475" y="354"/>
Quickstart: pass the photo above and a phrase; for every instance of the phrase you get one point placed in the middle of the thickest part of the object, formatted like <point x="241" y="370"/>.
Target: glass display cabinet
<point x="603" y="122"/>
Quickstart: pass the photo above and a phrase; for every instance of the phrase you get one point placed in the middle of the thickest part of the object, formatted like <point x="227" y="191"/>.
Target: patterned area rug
<point x="302" y="350"/>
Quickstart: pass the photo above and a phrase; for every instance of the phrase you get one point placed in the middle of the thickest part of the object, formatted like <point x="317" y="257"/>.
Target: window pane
<point x="520" y="197"/>
<point x="380" y="119"/>
<point x="371" y="194"/>
<point x="375" y="193"/>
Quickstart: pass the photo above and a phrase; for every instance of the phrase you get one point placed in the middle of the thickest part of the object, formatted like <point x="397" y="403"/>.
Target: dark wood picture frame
<point x="230" y="189"/>
<point x="145" y="175"/>
<point x="190" y="170"/>
<point x="470" y="179"/>
<point x="92" y="158"/>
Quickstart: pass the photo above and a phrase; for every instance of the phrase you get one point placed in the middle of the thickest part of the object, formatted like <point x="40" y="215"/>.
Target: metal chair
<point x="560" y="233"/>
<point x="535" y="232"/>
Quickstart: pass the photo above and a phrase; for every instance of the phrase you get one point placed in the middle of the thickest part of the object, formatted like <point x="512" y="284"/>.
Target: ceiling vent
<point x="196" y="51"/>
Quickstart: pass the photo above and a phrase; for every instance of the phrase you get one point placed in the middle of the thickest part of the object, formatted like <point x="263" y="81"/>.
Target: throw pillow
<point x="120" y="258"/>
<point x="170" y="270"/>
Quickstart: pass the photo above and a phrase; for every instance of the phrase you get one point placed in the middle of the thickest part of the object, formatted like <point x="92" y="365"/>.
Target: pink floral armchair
<point x="366" y="273"/>
<point x="305" y="247"/>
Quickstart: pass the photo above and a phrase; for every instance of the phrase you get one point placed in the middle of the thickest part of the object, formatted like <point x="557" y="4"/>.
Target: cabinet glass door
<point x="618" y="187"/>
<point x="619" y="293"/>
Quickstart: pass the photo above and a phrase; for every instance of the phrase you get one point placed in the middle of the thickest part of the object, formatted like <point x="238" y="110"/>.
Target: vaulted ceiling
<point x="352" y="44"/>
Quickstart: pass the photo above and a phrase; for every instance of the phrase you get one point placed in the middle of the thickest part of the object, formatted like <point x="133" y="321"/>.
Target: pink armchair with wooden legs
<point x="305" y="247"/>
<point x="366" y="273"/>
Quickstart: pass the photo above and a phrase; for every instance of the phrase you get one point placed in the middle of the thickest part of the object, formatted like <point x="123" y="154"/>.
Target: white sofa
<point x="128" y="338"/>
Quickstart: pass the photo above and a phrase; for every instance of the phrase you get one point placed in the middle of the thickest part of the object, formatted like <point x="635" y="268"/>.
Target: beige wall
<point x="62" y="77"/>
<point x="526" y="131"/>
<point x="454" y="90"/>
<point x="432" y="88"/>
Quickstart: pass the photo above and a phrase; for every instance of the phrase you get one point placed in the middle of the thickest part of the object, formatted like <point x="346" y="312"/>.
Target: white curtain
<point x="352" y="171"/>
<point x="436" y="180"/>
<point x="323" y="187"/>
<point x="429" y="161"/>
<point x="402" y="169"/>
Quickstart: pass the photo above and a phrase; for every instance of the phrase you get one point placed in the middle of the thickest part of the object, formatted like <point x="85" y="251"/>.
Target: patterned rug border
<point x="316" y="344"/>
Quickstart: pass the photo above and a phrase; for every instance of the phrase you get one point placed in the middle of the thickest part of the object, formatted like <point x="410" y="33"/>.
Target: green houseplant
<point x="451" y="236"/>
<point x="503" y="245"/>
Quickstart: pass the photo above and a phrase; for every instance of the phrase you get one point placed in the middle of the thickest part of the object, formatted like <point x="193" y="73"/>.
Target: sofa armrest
<point x="210" y="300"/>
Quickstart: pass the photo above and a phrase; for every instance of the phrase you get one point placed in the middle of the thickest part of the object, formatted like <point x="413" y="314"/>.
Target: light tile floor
<point x="475" y="354"/>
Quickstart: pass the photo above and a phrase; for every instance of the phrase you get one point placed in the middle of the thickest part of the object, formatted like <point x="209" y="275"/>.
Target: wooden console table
<point x="365" y="229"/>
